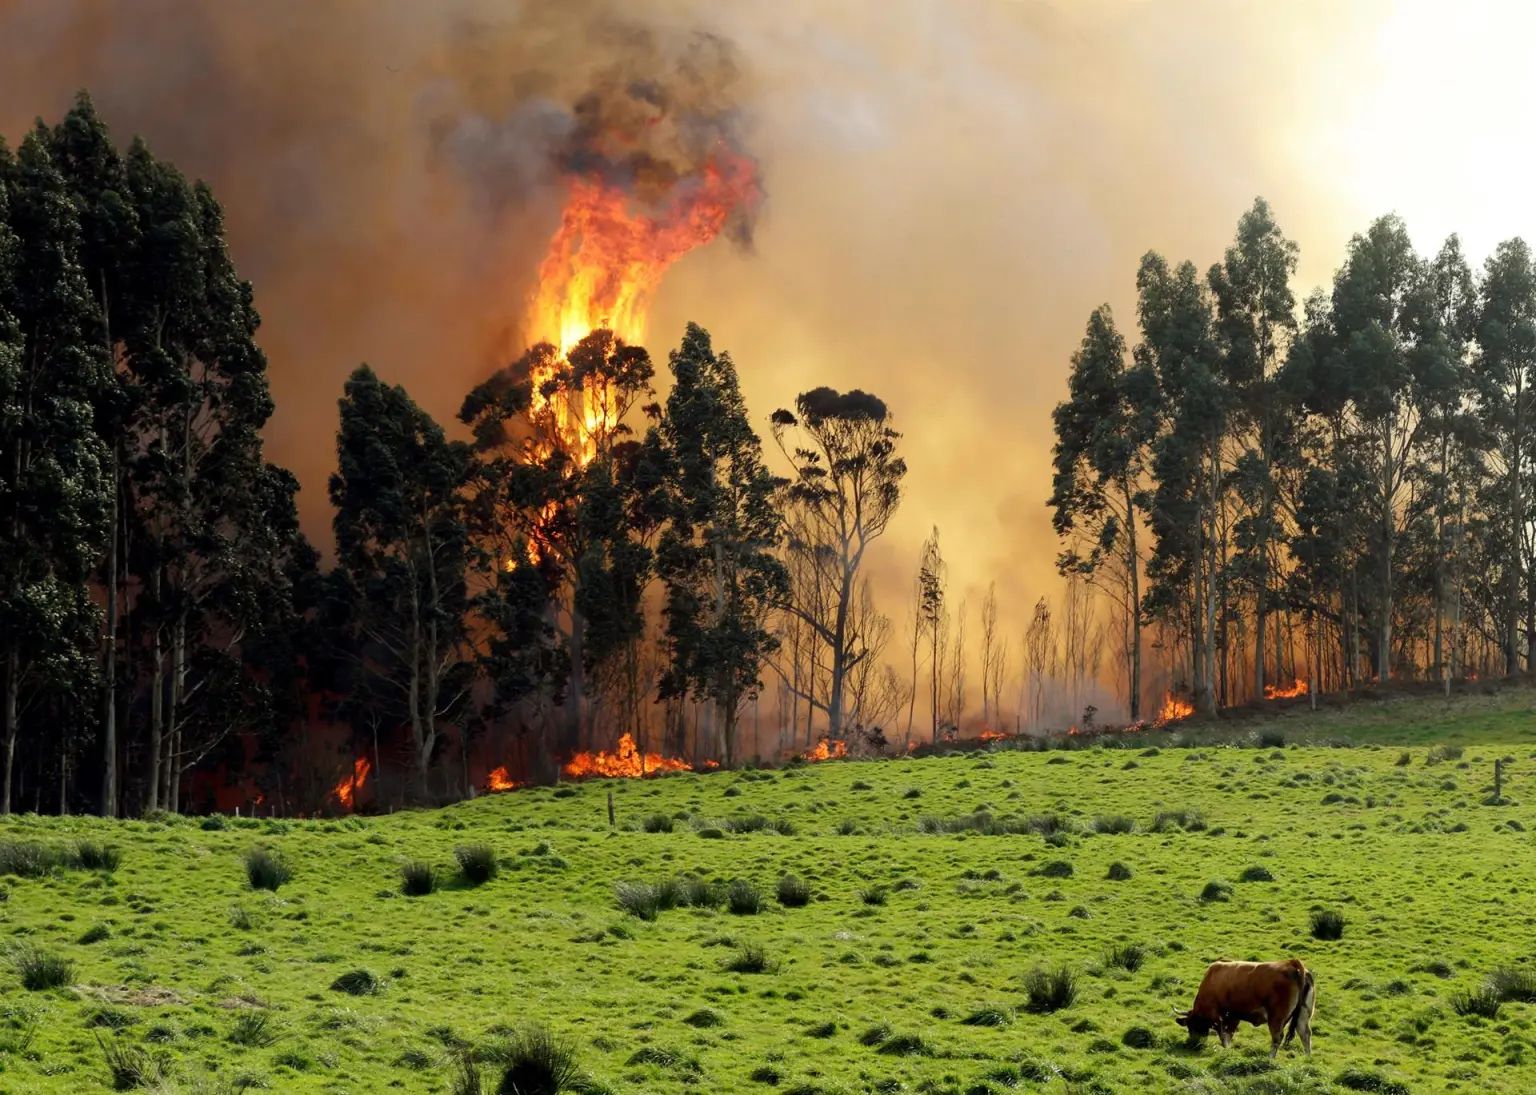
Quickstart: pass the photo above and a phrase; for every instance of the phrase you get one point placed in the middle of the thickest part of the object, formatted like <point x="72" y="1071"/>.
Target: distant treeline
<point x="559" y="579"/>
<point x="1333" y="493"/>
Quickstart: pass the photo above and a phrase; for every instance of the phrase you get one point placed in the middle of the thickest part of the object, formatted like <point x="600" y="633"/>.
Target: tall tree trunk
<point x="1384" y="625"/>
<point x="156" y="705"/>
<point x="12" y="721"/>
<point x="1134" y="566"/>
<point x="109" y="776"/>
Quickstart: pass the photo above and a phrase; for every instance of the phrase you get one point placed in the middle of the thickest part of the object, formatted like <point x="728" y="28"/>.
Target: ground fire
<point x="500" y="780"/>
<point x="345" y="791"/>
<point x="826" y="749"/>
<point x="1174" y="708"/>
<point x="1297" y="687"/>
<point x="626" y="760"/>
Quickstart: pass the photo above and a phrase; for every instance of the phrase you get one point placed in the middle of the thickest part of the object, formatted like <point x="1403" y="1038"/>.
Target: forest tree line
<point x="162" y="614"/>
<point x="1335" y="493"/>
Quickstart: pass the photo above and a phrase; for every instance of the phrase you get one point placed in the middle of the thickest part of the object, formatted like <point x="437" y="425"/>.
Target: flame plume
<point x="1173" y="709"/>
<point x="345" y="791"/>
<point x="1297" y="687"/>
<point x="626" y="760"/>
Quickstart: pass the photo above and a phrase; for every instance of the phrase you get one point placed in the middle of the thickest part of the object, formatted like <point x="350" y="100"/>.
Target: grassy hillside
<point x="1128" y="868"/>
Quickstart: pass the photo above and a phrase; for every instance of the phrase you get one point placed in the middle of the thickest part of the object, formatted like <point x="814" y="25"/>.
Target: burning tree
<point x="844" y="489"/>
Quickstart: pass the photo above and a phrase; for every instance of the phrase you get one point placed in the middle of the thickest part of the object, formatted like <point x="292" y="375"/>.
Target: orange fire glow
<point x="345" y="791"/>
<point x="988" y="734"/>
<point x="826" y="749"/>
<point x="500" y="780"/>
<point x="1297" y="687"/>
<point x="605" y="261"/>
<point x="1173" y="709"/>
<point x="626" y="760"/>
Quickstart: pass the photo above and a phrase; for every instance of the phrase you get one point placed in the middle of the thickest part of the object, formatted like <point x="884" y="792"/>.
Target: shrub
<point x="793" y="892"/>
<point x="95" y="934"/>
<point x="357" y="983"/>
<point x="94" y="856"/>
<point x="822" y="1030"/>
<point x="535" y="1062"/>
<point x="254" y="1028"/>
<point x="1216" y="890"/>
<point x="1256" y="873"/>
<point x="875" y="1034"/>
<point x="1118" y="872"/>
<point x="266" y="869"/>
<point x="1327" y="924"/>
<point x="705" y="1017"/>
<point x="989" y="1017"/>
<point x="1271" y="739"/>
<point x="1056" y="868"/>
<point x="697" y="893"/>
<point x="657" y="823"/>
<point x="1126" y="956"/>
<point x="40" y="970"/>
<point x="749" y="958"/>
<point x="1513" y="985"/>
<point x="417" y="879"/>
<point x="1050" y="990"/>
<point x="477" y="863"/>
<point x="743" y="898"/>
<point x="1404" y="759"/>
<point x="646" y="900"/>
<point x="1443" y="752"/>
<point x="1480" y="1001"/>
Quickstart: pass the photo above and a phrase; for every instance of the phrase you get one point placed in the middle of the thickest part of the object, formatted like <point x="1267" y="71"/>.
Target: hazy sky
<point x="952" y="186"/>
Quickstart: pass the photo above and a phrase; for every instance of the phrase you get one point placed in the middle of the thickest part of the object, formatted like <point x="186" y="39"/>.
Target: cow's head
<point x="1197" y="1025"/>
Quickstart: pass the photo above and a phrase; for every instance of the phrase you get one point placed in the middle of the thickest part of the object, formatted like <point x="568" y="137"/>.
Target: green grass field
<point x="905" y="971"/>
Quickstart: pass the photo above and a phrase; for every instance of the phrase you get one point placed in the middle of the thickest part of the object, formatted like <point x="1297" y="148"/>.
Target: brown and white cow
<point x="1276" y="993"/>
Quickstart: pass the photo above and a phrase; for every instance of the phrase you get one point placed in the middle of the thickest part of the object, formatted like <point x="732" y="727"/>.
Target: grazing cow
<point x="1277" y="993"/>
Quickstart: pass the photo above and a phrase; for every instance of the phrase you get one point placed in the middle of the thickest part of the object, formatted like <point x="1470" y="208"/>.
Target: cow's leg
<point x="1304" y="1028"/>
<point x="1226" y="1027"/>
<point x="1276" y="1033"/>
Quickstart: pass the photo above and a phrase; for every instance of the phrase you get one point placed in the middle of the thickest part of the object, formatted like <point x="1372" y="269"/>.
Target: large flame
<point x="989" y="734"/>
<point x="1297" y="687"/>
<point x="500" y="779"/>
<point x="604" y="262"/>
<point x="1174" y="708"/>
<point x="626" y="760"/>
<point x="345" y="791"/>
<point x="826" y="749"/>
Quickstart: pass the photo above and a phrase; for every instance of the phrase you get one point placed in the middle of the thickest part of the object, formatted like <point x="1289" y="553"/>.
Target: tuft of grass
<point x="536" y="1062"/>
<point x="990" y="1016"/>
<point x="1190" y="821"/>
<point x="1115" y="824"/>
<point x="27" y="858"/>
<point x="657" y="823"/>
<point x="93" y="855"/>
<point x="1359" y="1079"/>
<point x="793" y="892"/>
<point x="874" y="895"/>
<point x="1216" y="890"/>
<point x="357" y="983"/>
<point x="1327" y="924"/>
<point x="1056" y="868"/>
<point x="39" y="970"/>
<point x="1256" y="873"/>
<point x="1118" y="872"/>
<point x="645" y="900"/>
<point x="94" y="934"/>
<point x="1138" y="1038"/>
<point x="254" y="1028"/>
<point x="697" y="893"/>
<point x="1481" y="1001"/>
<point x="129" y="1066"/>
<point x="875" y="1034"/>
<point x="1126" y="956"/>
<point x="266" y="868"/>
<point x="417" y="879"/>
<point x="743" y="898"/>
<point x="905" y="1045"/>
<point x="241" y="918"/>
<point x="1049" y="990"/>
<point x="705" y="1018"/>
<point x="477" y="863"/>
<point x="749" y="958"/>
<point x="1512" y="985"/>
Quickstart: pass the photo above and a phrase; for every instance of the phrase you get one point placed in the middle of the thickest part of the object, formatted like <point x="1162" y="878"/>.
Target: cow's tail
<point x="1306" y="1001"/>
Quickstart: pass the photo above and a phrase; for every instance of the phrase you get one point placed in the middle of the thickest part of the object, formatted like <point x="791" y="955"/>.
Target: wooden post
<point x="611" y="823"/>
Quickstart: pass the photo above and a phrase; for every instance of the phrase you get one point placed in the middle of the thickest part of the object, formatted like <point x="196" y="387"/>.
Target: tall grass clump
<point x="1126" y="956"/>
<point x="657" y="823"/>
<point x="793" y="892"/>
<point x="749" y="958"/>
<point x="477" y="863"/>
<point x="27" y="858"/>
<point x="93" y="855"/>
<point x="536" y="1062"/>
<point x="254" y="1028"/>
<point x="129" y="1066"/>
<point x="1481" y="1001"/>
<point x="40" y="970"/>
<point x="743" y="898"/>
<point x="417" y="879"/>
<point x="266" y="868"/>
<point x="1049" y="990"/>
<point x="647" y="900"/>
<point x="1511" y="985"/>
<point x="1327" y="924"/>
